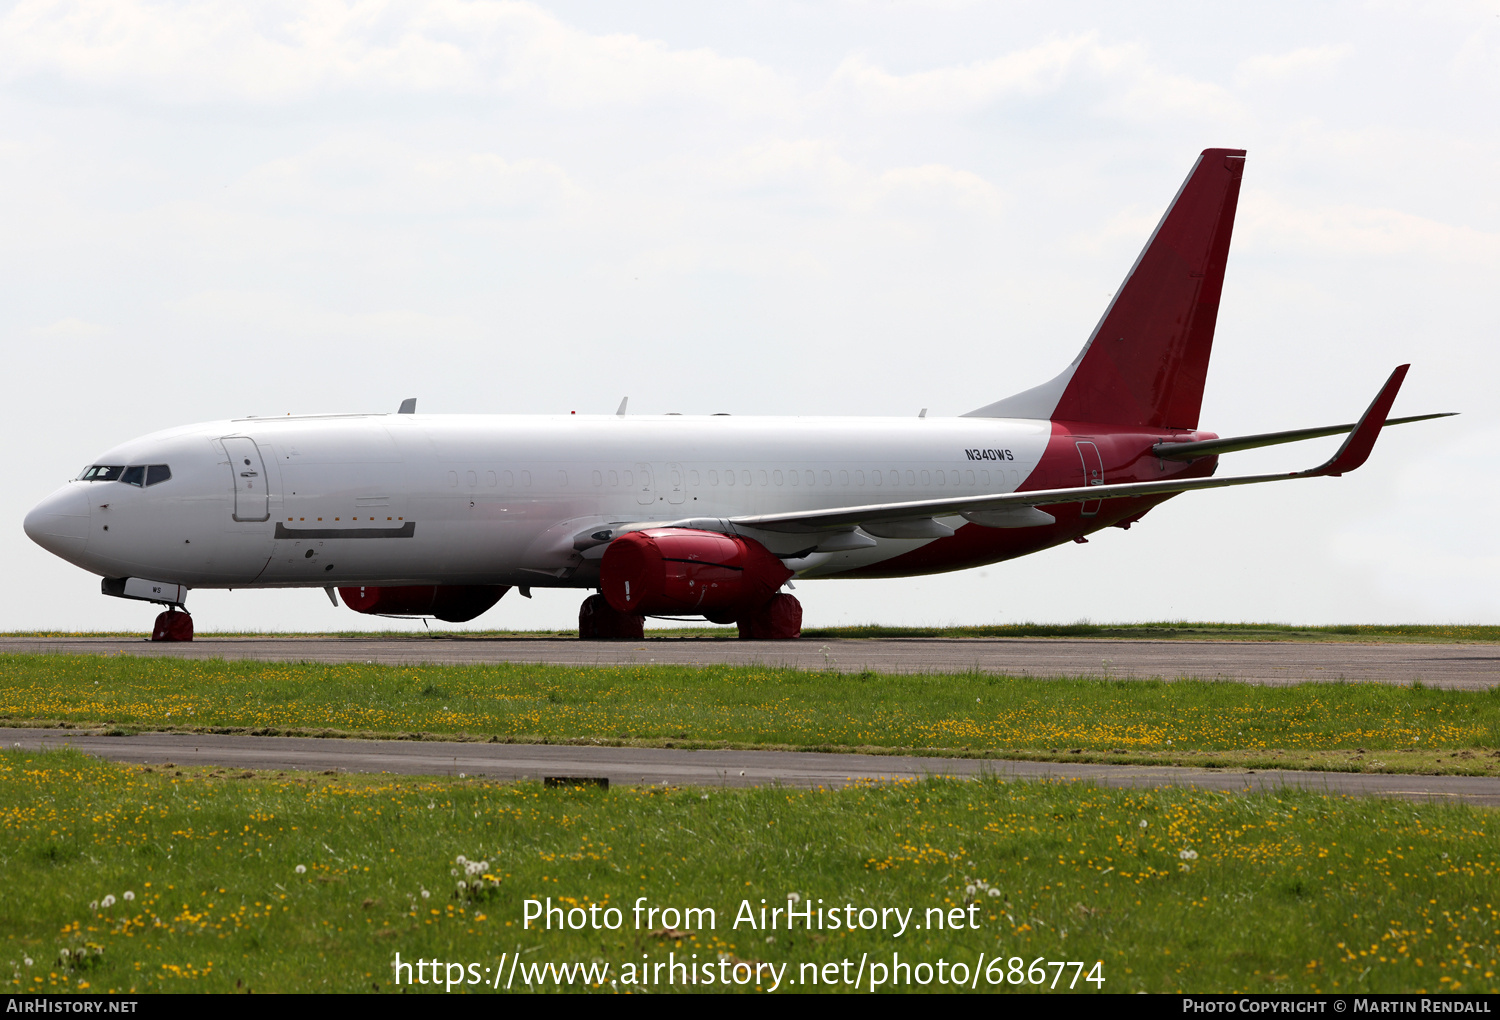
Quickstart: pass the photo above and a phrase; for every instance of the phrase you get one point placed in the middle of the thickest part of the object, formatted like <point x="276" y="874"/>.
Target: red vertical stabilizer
<point x="1147" y="361"/>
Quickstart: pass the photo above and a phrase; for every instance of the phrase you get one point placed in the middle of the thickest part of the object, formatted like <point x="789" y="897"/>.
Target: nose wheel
<point x="173" y="625"/>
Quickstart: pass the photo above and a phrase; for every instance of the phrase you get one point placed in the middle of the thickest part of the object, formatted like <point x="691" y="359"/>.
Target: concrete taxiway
<point x="1466" y="667"/>
<point x="641" y="766"/>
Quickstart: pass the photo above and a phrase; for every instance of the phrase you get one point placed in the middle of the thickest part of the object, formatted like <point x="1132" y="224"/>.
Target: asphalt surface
<point x="642" y="766"/>
<point x="1465" y="667"/>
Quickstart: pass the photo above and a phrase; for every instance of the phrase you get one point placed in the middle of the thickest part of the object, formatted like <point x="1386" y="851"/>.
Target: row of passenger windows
<point x="730" y="477"/>
<point x="136" y="474"/>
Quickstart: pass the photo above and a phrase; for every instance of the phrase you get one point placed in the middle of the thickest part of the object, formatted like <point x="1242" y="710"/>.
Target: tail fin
<point x="1147" y="360"/>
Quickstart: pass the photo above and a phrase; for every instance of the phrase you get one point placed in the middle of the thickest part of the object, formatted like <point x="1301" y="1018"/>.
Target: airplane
<point x="707" y="516"/>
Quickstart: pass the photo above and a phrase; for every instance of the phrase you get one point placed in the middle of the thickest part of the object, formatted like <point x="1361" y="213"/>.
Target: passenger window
<point x="926" y="478"/>
<point x="157" y="473"/>
<point x="941" y="478"/>
<point x="875" y="477"/>
<point x="728" y="477"/>
<point x="807" y="476"/>
<point x="509" y="478"/>
<point x="526" y="479"/>
<point x="778" y="477"/>
<point x="859" y="478"/>
<point x="969" y="478"/>
<point x="843" y="477"/>
<point x="713" y="478"/>
<point x="614" y="478"/>
<point x="134" y="475"/>
<point x="745" y="477"/>
<point x="763" y="479"/>
<point x="827" y="477"/>
<point x="911" y="478"/>
<point x="598" y="479"/>
<point x="693" y="479"/>
<point x="630" y="479"/>
<point x="792" y="477"/>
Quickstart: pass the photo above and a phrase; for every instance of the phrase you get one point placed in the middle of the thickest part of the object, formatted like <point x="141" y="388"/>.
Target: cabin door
<point x="251" y="496"/>
<point x="1093" y="474"/>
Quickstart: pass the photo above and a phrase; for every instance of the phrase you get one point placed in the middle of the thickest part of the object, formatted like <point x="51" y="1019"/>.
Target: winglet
<point x="1356" y="449"/>
<point x="408" y="406"/>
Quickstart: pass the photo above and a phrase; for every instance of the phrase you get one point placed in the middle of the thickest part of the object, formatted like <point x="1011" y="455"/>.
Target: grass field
<point x="1164" y="630"/>
<point x="188" y="880"/>
<point x="1349" y="727"/>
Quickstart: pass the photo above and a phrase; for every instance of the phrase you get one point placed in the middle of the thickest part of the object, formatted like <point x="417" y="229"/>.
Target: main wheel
<point x="599" y="621"/>
<point x="778" y="620"/>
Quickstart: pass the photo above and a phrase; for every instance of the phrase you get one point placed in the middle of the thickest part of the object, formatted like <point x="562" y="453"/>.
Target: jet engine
<point x="453" y="603"/>
<point x="681" y="571"/>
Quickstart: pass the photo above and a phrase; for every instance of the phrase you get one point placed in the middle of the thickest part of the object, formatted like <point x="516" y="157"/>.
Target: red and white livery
<point x="411" y="514"/>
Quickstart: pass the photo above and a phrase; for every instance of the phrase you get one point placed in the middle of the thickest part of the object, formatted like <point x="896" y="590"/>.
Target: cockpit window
<point x="134" y="475"/>
<point x="157" y="473"/>
<point x="101" y="473"/>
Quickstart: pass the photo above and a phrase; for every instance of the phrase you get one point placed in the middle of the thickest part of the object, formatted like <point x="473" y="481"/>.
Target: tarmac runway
<point x="642" y="766"/>
<point x="1467" y="667"/>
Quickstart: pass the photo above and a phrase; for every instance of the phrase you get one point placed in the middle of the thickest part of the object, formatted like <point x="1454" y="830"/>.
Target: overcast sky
<point x="224" y="208"/>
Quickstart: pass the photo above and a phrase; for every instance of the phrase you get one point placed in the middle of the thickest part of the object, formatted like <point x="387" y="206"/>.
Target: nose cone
<point x="60" y="523"/>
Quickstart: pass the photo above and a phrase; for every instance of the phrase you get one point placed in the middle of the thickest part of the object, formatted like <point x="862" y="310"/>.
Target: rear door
<point x="251" y="496"/>
<point x="1093" y="474"/>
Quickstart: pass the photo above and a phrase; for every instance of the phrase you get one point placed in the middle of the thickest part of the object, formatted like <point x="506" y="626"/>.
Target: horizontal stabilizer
<point x="1234" y="444"/>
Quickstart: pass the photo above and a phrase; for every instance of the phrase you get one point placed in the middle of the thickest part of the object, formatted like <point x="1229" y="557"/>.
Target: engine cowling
<point x="452" y="603"/>
<point x="682" y="571"/>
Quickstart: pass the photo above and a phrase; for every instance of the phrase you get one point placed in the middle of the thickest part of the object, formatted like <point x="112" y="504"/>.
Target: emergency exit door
<point x="251" y="495"/>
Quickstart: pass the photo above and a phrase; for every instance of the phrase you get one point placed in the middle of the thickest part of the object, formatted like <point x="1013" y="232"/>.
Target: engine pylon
<point x="173" y="625"/>
<point x="600" y="621"/>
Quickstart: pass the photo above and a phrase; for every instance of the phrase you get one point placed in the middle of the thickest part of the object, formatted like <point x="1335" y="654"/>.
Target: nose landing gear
<point x="173" y="625"/>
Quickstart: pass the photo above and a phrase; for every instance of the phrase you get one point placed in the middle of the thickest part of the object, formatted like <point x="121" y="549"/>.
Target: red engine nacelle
<point x="453" y="603"/>
<point x="675" y="571"/>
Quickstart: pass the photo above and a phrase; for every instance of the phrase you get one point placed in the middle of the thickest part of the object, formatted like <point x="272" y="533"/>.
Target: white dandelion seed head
<point x="65" y="953"/>
<point x="453" y="871"/>
<point x="472" y="868"/>
<point x="28" y="961"/>
<point x="969" y="890"/>
<point x="300" y="869"/>
<point x="128" y="896"/>
<point x="462" y="885"/>
<point x="1188" y="855"/>
<point x="431" y="806"/>
<point x="425" y="894"/>
<point x="94" y="905"/>
<point x="108" y="901"/>
<point x="462" y="776"/>
<point x="1143" y="823"/>
<point x="792" y="897"/>
<point x="770" y="939"/>
<point x="461" y="859"/>
<point x="484" y="865"/>
<point x="994" y="892"/>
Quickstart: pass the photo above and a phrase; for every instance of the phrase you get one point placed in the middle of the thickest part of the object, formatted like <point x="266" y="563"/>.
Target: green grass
<point x="1163" y="630"/>
<point x="1169" y="890"/>
<point x="1345" y="726"/>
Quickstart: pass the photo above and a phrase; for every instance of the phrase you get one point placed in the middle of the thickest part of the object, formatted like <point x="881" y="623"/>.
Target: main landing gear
<point x="778" y="620"/>
<point x="173" y="625"/>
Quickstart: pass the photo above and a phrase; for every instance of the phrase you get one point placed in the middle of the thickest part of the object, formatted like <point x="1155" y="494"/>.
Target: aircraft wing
<point x="1355" y="450"/>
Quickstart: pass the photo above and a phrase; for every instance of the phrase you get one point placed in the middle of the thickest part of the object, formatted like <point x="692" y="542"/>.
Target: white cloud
<point x="1269" y="221"/>
<point x="218" y="49"/>
<point x="1294" y="64"/>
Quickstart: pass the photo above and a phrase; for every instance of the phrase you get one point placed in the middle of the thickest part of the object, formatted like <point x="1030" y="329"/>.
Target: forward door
<point x="251" y="495"/>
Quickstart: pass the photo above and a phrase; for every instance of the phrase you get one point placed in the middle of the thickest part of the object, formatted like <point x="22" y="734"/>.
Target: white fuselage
<point x="404" y="499"/>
